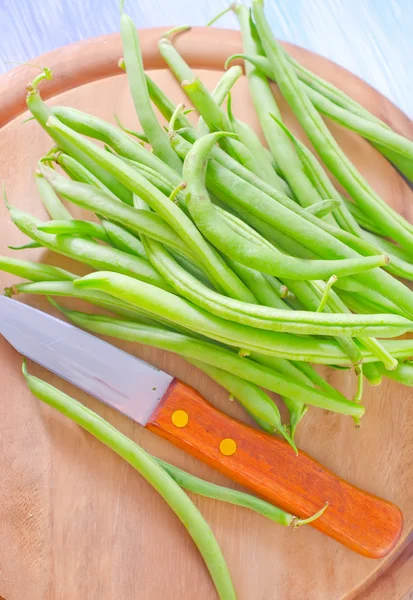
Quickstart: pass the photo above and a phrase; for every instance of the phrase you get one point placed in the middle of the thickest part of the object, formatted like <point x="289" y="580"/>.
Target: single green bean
<point x="123" y="240"/>
<point x="218" y="492"/>
<point x="156" y="135"/>
<point x="34" y="271"/>
<point x="50" y="199"/>
<point x="170" y="491"/>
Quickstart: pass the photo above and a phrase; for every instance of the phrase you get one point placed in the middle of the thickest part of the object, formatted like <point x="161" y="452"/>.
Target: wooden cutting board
<point x="78" y="523"/>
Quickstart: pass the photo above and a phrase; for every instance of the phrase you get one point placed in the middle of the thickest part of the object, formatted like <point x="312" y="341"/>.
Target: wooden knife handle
<point x="268" y="466"/>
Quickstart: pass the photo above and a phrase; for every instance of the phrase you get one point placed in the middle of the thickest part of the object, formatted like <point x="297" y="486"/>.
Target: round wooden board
<point x="75" y="520"/>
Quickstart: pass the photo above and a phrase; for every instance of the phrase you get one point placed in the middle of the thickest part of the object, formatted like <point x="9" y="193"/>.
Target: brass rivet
<point x="180" y="418"/>
<point x="228" y="447"/>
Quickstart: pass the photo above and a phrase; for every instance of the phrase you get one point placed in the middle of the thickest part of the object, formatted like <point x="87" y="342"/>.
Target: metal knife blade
<point x="118" y="379"/>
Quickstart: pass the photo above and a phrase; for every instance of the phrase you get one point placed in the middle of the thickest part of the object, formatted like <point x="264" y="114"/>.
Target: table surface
<point x="371" y="38"/>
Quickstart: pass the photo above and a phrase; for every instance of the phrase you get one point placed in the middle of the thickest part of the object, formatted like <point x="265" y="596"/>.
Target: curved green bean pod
<point x="323" y="141"/>
<point x="41" y="113"/>
<point x="33" y="270"/>
<point x="170" y="491"/>
<point x="221" y="358"/>
<point x="87" y="251"/>
<point x="259" y="285"/>
<point x="261" y="257"/>
<point x="156" y="135"/>
<point x="50" y="199"/>
<point x="216" y="268"/>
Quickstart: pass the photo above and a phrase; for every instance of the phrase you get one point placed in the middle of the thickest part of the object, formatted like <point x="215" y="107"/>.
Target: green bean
<point x="214" y="265"/>
<point x="220" y="92"/>
<point x="372" y="373"/>
<point x="286" y="216"/>
<point x="368" y="303"/>
<point x="163" y="103"/>
<point x="75" y="227"/>
<point x="137" y="84"/>
<point x="324" y="142"/>
<point x="150" y="470"/>
<point x="218" y="492"/>
<point x="50" y="200"/>
<point x="123" y="240"/>
<point x="137" y="134"/>
<point x="87" y="251"/>
<point x="210" y="354"/>
<point x="33" y="270"/>
<point x="41" y="113"/>
<point x="362" y="219"/>
<point x="402" y="374"/>
<point x="28" y="246"/>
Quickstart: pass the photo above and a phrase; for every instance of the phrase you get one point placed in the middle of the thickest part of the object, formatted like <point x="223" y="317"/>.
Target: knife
<point x="172" y="409"/>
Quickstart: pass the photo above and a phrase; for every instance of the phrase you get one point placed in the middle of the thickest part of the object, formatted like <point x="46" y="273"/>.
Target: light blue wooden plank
<point x="372" y="38"/>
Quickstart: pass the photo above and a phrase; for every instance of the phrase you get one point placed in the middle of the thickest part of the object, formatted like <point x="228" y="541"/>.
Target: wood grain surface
<point x="76" y="522"/>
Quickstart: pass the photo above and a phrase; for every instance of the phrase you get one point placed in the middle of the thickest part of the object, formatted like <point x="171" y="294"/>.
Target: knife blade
<point x="170" y="408"/>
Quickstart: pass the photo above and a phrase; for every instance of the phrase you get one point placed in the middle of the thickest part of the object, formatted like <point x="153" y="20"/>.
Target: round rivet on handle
<point x="228" y="447"/>
<point x="180" y="418"/>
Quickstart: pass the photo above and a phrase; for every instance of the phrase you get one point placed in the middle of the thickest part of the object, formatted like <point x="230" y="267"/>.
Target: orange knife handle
<point x="269" y="467"/>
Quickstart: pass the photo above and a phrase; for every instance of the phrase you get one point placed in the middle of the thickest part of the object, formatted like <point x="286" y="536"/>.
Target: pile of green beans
<point x="245" y="260"/>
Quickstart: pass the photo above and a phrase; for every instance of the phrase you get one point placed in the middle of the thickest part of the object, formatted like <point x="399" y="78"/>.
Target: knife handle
<point x="268" y="466"/>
